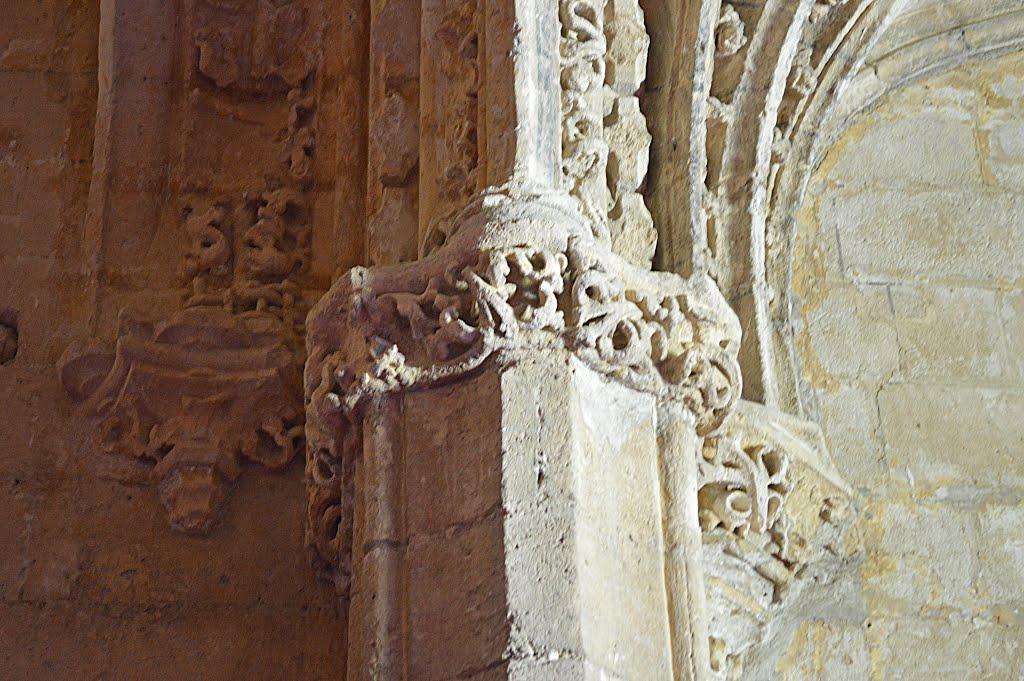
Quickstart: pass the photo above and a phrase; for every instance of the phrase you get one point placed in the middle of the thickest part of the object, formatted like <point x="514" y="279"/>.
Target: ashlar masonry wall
<point x="910" y="282"/>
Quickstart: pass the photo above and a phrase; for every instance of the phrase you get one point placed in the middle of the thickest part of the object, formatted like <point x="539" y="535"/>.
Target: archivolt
<point x="772" y="85"/>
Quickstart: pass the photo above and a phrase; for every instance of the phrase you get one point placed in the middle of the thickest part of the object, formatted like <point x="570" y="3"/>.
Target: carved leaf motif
<point x="192" y="396"/>
<point x="384" y="330"/>
<point x="584" y="150"/>
<point x="743" y="488"/>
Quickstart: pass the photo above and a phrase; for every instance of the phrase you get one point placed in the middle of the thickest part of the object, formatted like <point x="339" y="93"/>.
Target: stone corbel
<point x="194" y="397"/>
<point x="770" y="503"/>
<point x="200" y="392"/>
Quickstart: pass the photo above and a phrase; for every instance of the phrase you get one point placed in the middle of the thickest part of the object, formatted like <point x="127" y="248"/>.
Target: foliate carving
<point x="766" y="484"/>
<point x="256" y="266"/>
<point x="300" y="141"/>
<point x="418" y="325"/>
<point x="504" y="291"/>
<point x="252" y="47"/>
<point x="605" y="143"/>
<point x="217" y="383"/>
<point x="631" y="227"/>
<point x="769" y="503"/>
<point x="662" y="339"/>
<point x="730" y="34"/>
<point x="743" y="489"/>
<point x="194" y="397"/>
<point x="584" y="150"/>
<point x="250" y="252"/>
<point x="655" y="338"/>
<point x="207" y="263"/>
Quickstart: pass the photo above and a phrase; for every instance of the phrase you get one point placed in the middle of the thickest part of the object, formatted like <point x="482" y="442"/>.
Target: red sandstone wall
<point x="93" y="582"/>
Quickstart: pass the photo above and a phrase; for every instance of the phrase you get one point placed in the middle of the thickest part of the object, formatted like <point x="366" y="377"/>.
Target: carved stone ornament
<point x="730" y="36"/>
<point x="195" y="396"/>
<point x="412" y="326"/>
<point x="770" y="502"/>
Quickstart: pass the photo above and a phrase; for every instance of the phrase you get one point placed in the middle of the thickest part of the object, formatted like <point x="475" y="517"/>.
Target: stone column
<point x="502" y="437"/>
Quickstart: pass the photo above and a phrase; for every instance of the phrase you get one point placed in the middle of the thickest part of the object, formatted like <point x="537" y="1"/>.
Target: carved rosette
<point x="413" y="326"/>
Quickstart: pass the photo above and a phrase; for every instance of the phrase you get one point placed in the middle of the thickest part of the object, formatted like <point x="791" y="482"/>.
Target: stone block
<point x="129" y="554"/>
<point x="851" y="332"/>
<point x="458" y="615"/>
<point x="452" y="441"/>
<point x="888" y="152"/>
<point x="619" y="532"/>
<point x="1001" y="558"/>
<point x="941" y="649"/>
<point x="822" y="651"/>
<point x="922" y="559"/>
<point x="29" y="107"/>
<point x="816" y="244"/>
<point x="15" y="525"/>
<point x="1013" y="322"/>
<point x="955" y="338"/>
<point x="888" y="235"/>
<point x="52" y="566"/>
<point x="280" y="644"/>
<point x="57" y="641"/>
<point x="946" y="434"/>
<point x="30" y="451"/>
<point x="1005" y="146"/>
<point x="540" y="424"/>
<point x="543" y="584"/>
<point x="850" y="423"/>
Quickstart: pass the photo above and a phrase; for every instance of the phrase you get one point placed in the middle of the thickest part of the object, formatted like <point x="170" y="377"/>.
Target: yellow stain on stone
<point x="794" y="654"/>
<point x="983" y="96"/>
<point x="875" y="638"/>
<point x="805" y="656"/>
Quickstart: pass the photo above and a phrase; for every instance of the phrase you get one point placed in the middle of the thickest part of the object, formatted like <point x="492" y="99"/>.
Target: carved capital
<point x="517" y="273"/>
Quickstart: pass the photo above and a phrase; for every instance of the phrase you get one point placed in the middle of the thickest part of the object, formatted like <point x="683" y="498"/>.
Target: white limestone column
<point x="492" y="483"/>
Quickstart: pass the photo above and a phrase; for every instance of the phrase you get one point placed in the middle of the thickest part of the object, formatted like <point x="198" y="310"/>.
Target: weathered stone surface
<point x="526" y="453"/>
<point x="94" y="583"/>
<point x="919" y="386"/>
